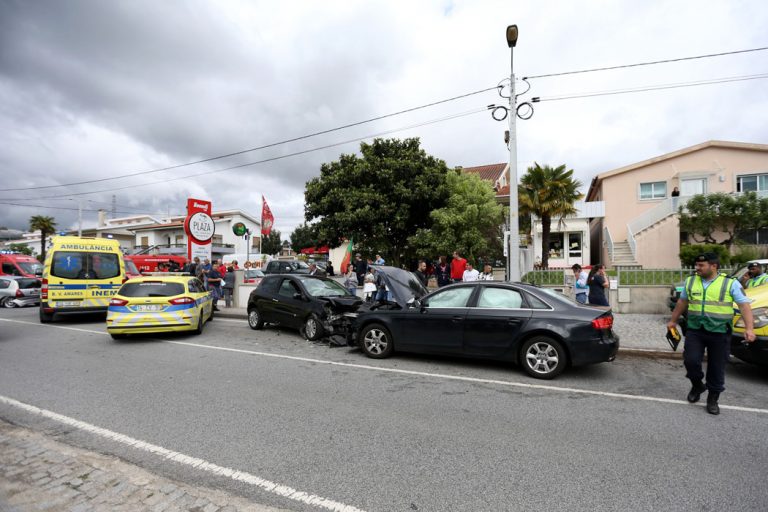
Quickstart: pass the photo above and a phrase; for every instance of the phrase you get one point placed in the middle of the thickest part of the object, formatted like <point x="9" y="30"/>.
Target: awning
<point x="315" y="250"/>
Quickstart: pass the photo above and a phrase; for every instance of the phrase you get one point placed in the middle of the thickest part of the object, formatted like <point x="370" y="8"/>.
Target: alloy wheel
<point x="375" y="341"/>
<point x="542" y="358"/>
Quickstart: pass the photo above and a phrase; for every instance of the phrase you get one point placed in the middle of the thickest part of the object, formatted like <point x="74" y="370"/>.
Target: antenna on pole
<point x="114" y="206"/>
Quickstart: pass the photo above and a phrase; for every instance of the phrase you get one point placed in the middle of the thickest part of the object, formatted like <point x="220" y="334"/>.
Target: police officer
<point x="708" y="298"/>
<point x="754" y="276"/>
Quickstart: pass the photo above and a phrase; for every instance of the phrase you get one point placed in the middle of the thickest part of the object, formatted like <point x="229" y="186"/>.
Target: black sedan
<point x="317" y="306"/>
<point x="540" y="329"/>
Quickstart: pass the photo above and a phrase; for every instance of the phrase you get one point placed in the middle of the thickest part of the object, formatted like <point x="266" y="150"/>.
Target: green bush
<point x="688" y="253"/>
<point x="745" y="254"/>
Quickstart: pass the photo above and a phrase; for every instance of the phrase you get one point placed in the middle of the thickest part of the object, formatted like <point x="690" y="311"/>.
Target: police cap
<point x="753" y="264"/>
<point x="708" y="257"/>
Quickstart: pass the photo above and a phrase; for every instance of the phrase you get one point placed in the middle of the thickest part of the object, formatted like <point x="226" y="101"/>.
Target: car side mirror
<point x="39" y="273"/>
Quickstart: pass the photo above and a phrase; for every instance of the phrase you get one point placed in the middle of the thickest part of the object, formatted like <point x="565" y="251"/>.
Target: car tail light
<point x="182" y="300"/>
<point x="44" y="289"/>
<point x="118" y="302"/>
<point x="603" y="322"/>
<point x="19" y="294"/>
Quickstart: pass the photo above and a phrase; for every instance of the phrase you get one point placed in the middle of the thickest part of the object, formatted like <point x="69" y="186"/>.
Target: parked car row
<point x="540" y="329"/>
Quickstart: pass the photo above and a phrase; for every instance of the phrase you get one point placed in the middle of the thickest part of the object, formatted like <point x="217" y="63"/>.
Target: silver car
<point x="16" y="292"/>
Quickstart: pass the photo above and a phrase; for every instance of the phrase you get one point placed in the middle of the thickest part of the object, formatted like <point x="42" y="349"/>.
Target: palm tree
<point x="548" y="193"/>
<point x="46" y="225"/>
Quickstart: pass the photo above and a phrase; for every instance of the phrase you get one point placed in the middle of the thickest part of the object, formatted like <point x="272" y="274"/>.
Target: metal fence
<point x="625" y="277"/>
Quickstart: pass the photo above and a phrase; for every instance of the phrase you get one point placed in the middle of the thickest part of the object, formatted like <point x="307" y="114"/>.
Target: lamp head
<point x="512" y="35"/>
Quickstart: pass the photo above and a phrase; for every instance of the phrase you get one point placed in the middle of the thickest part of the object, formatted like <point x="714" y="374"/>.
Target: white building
<point x="168" y="237"/>
<point x="568" y="241"/>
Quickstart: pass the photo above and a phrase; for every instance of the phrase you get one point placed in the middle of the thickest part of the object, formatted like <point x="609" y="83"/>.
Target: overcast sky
<point x="98" y="89"/>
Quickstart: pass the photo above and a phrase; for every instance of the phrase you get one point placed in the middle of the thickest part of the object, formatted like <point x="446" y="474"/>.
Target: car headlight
<point x="761" y="318"/>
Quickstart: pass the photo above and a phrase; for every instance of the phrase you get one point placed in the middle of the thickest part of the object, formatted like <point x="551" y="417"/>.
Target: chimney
<point x="102" y="218"/>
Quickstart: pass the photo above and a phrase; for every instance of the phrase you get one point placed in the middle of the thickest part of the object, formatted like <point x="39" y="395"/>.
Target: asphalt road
<point x="406" y="433"/>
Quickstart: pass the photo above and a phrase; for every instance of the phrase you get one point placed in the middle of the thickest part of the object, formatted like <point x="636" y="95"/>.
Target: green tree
<point x="379" y="199"/>
<point x="548" y="193"/>
<point x="47" y="226"/>
<point x="21" y="248"/>
<point x="304" y="236"/>
<point x="468" y="223"/>
<point x="271" y="244"/>
<point x="704" y="215"/>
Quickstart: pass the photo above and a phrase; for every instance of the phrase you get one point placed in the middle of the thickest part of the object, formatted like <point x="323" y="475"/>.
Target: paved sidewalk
<point x="639" y="334"/>
<point x="38" y="473"/>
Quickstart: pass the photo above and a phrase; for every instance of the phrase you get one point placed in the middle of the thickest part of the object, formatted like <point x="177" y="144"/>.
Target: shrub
<point x="745" y="254"/>
<point x="688" y="253"/>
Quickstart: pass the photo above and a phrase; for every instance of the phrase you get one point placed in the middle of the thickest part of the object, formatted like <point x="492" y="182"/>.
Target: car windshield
<point x="324" y="288"/>
<point x="253" y="272"/>
<point x="30" y="267"/>
<point x="151" y="289"/>
<point x="301" y="264"/>
<point x="130" y="267"/>
<point x="29" y="283"/>
<point x="85" y="265"/>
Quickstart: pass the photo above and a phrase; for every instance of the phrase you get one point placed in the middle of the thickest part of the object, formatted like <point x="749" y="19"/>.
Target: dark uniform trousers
<point x="718" y="346"/>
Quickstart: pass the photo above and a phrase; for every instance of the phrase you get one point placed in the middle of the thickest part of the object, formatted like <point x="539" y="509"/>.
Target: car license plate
<point x="145" y="308"/>
<point x="67" y="303"/>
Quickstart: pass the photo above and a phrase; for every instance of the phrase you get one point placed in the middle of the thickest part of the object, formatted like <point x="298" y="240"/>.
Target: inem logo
<point x="103" y="293"/>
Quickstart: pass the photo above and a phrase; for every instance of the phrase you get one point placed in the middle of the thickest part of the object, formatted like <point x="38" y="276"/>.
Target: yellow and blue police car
<point x="159" y="303"/>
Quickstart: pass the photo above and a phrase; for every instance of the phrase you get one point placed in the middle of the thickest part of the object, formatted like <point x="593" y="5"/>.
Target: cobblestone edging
<point x="38" y="473"/>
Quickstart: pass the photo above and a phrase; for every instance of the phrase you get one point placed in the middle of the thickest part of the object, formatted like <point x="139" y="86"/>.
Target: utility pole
<point x="79" y="217"/>
<point x="513" y="258"/>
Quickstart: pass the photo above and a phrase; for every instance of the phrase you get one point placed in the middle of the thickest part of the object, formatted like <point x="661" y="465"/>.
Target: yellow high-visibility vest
<point x="710" y="309"/>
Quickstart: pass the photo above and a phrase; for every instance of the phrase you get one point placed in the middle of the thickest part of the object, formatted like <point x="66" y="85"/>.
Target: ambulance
<point x="80" y="275"/>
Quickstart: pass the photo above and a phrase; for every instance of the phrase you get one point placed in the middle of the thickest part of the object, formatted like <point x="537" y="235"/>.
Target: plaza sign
<point x="200" y="228"/>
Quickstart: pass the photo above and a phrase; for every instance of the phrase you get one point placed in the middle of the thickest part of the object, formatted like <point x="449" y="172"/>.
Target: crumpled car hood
<point x="403" y="285"/>
<point x="343" y="304"/>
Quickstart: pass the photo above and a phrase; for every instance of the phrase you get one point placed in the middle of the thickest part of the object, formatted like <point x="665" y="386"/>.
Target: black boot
<point x="712" y="407"/>
<point x="695" y="393"/>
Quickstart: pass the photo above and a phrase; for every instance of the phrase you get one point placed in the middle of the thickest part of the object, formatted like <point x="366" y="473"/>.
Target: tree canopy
<point x="271" y="244"/>
<point x="706" y="214"/>
<point x="548" y="193"/>
<point x="469" y="222"/>
<point x="304" y="236"/>
<point x="379" y="199"/>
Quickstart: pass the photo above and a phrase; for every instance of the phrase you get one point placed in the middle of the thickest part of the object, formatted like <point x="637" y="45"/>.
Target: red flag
<point x="266" y="218"/>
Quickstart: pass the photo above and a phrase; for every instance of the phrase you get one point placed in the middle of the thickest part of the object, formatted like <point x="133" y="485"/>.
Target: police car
<point x="159" y="303"/>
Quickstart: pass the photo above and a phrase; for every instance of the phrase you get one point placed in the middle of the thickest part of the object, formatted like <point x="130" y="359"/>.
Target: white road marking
<point x="200" y="464"/>
<point x="476" y="380"/>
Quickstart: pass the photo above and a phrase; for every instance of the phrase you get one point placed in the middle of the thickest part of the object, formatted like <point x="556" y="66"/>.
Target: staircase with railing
<point x="649" y="218"/>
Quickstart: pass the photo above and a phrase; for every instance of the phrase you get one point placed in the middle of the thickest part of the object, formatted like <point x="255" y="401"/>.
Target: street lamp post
<point x="513" y="258"/>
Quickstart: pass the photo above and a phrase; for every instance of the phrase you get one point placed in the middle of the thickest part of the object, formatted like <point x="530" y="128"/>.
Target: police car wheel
<point x="313" y="330"/>
<point x="118" y="336"/>
<point x="199" y="329"/>
<point x="255" y="321"/>
<point x="543" y="358"/>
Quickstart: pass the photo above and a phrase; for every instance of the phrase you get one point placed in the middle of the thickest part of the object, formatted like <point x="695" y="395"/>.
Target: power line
<point x="651" y="88"/>
<point x="266" y="160"/>
<point x="74" y="209"/>
<point x="266" y="146"/>
<point x="638" y="64"/>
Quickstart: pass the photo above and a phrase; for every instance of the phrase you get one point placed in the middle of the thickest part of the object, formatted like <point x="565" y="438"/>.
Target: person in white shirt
<point x="470" y="274"/>
<point x="487" y="274"/>
<point x="580" y="287"/>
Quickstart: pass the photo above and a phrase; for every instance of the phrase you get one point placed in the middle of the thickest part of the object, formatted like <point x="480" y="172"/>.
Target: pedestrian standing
<point x="329" y="269"/>
<point x="361" y="267"/>
<point x="597" y="283"/>
<point x="379" y="260"/>
<point x="369" y="286"/>
<point x="458" y="266"/>
<point x="350" y="280"/>
<point x="443" y="272"/>
<point x="708" y="299"/>
<point x="235" y="266"/>
<point x="205" y="269"/>
<point x="193" y="268"/>
<point x="229" y="286"/>
<point x="487" y="274"/>
<point x="470" y="274"/>
<point x="421" y="273"/>
<point x="580" y="286"/>
<point x="754" y="276"/>
<point x="214" y="286"/>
